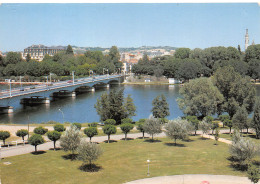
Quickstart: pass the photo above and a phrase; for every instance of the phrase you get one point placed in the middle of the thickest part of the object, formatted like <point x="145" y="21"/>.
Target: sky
<point x="128" y="25"/>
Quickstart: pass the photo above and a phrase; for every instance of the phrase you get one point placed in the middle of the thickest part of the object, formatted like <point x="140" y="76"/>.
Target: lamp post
<point x="62" y="114"/>
<point x="10" y="87"/>
<point x="148" y="172"/>
<point x="73" y="76"/>
<point x="50" y="76"/>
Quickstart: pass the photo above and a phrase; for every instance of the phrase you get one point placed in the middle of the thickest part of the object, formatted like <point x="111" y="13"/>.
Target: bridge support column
<point x="92" y="89"/>
<point x="35" y="100"/>
<point x="107" y="86"/>
<point x="6" y="110"/>
<point x="64" y="93"/>
<point x="73" y="94"/>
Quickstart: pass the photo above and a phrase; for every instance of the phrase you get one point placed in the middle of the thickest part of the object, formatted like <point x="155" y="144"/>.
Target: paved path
<point x="220" y="139"/>
<point x="193" y="179"/>
<point x="13" y="151"/>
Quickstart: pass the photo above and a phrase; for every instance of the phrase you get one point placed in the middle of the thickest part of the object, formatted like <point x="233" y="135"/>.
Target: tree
<point x="256" y="118"/>
<point x="240" y="118"/>
<point x="127" y="120"/>
<point x="126" y="128"/>
<point x="200" y="98"/>
<point x="28" y="57"/>
<point x="40" y="130"/>
<point x="152" y="126"/>
<point x="22" y="133"/>
<point x="182" y="53"/>
<point x="35" y="140"/>
<point x="77" y="125"/>
<point x="177" y="129"/>
<point x="114" y="56"/>
<point x="243" y="150"/>
<point x="88" y="152"/>
<point x="160" y="107"/>
<point x="69" y="50"/>
<point x="216" y="136"/>
<point x="110" y="122"/>
<point x="239" y="49"/>
<point x="228" y="123"/>
<point x="253" y="173"/>
<point x="237" y="90"/>
<point x="91" y="132"/>
<point x="129" y="107"/>
<point x="59" y="127"/>
<point x="70" y="139"/>
<point x="140" y="126"/>
<point x="108" y="130"/>
<point x="189" y="69"/>
<point x="4" y="135"/>
<point x="223" y="118"/>
<point x="214" y="126"/>
<point x="13" y="58"/>
<point x="204" y="126"/>
<point x="54" y="136"/>
<point x="194" y="121"/>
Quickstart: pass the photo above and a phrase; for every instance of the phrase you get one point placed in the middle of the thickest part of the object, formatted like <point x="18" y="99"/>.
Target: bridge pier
<point x="35" y="100"/>
<point x="84" y="89"/>
<point x="107" y="86"/>
<point x="64" y="93"/>
<point x="6" y="110"/>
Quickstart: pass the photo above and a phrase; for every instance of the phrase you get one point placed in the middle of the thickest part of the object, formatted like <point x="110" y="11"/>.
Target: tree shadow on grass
<point x="238" y="167"/>
<point x="87" y="168"/>
<point x="152" y="141"/>
<point x="204" y="138"/>
<point x="57" y="149"/>
<point x="173" y="144"/>
<point x="256" y="163"/>
<point x="70" y="157"/>
<point x="142" y="137"/>
<point x="111" y="141"/>
<point x="252" y="136"/>
<point x="188" y="140"/>
<point x="128" y="139"/>
<point x="38" y="152"/>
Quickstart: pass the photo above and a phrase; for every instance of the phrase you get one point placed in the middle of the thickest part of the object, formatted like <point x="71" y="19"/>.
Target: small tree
<point x="40" y="130"/>
<point x="110" y="122"/>
<point x="253" y="173"/>
<point x="108" y="130"/>
<point x="204" y="126"/>
<point x="223" y="118"/>
<point x="177" y="129"/>
<point x="216" y="136"/>
<point x="35" y="140"/>
<point x="228" y="123"/>
<point x="88" y="152"/>
<point x="22" y="133"/>
<point x="160" y="107"/>
<point x="54" y="136"/>
<point x="59" y="127"/>
<point x="77" y="125"/>
<point x="126" y="127"/>
<point x="194" y="121"/>
<point x="4" y="135"/>
<point x="70" y="139"/>
<point x="256" y="118"/>
<point x="240" y="118"/>
<point x="140" y="127"/>
<point x="214" y="126"/>
<point x="152" y="126"/>
<point x="91" y="132"/>
<point x="242" y="149"/>
<point x="94" y="124"/>
<point x="126" y="120"/>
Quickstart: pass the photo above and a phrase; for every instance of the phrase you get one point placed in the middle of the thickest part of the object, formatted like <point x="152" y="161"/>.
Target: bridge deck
<point x="57" y="85"/>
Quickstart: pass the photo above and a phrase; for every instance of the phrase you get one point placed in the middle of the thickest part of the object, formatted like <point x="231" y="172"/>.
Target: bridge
<point x="39" y="94"/>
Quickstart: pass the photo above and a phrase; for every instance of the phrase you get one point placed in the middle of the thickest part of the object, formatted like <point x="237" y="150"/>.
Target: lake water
<point x="81" y="108"/>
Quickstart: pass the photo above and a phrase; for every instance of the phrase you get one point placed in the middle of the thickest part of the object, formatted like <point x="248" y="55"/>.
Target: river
<point x="81" y="108"/>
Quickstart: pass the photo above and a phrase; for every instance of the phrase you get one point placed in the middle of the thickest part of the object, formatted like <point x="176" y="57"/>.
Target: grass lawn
<point x="250" y="136"/>
<point x="122" y="161"/>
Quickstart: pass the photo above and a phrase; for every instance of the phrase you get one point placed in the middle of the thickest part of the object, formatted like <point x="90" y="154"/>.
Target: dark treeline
<point x="60" y="64"/>
<point x="189" y="64"/>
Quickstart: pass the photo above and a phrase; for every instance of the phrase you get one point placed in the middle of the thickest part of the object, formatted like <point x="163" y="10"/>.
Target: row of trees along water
<point x="61" y="64"/>
<point x="189" y="64"/>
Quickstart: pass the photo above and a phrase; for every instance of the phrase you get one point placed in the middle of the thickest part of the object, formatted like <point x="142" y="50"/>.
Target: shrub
<point x="54" y="136"/>
<point x="4" y="135"/>
<point x="126" y="128"/>
<point x="126" y="120"/>
<point x="35" y="140"/>
<point x="91" y="132"/>
<point x="110" y="122"/>
<point x="204" y="126"/>
<point x="94" y="124"/>
<point x="40" y="130"/>
<point x="59" y="127"/>
<point x="194" y="121"/>
<point x="77" y="125"/>
<point x="152" y="126"/>
<point x="22" y="133"/>
<point x="140" y="127"/>
<point x="253" y="173"/>
<point x="108" y="130"/>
